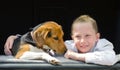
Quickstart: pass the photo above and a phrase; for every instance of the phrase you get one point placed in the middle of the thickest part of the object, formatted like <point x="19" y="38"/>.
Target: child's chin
<point x="84" y="51"/>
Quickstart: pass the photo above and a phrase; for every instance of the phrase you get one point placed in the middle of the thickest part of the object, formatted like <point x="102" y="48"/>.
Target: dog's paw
<point x="54" y="61"/>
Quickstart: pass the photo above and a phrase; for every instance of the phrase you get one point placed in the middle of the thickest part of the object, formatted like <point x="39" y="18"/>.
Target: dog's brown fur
<point x="50" y="34"/>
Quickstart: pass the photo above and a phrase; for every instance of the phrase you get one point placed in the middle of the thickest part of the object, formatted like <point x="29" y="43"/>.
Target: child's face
<point x="84" y="36"/>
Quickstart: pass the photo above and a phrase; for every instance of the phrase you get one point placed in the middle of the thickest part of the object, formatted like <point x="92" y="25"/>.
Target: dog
<point x="42" y="42"/>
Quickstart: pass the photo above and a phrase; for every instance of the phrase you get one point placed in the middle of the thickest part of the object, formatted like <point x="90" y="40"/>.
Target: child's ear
<point x="98" y="36"/>
<point x="72" y="36"/>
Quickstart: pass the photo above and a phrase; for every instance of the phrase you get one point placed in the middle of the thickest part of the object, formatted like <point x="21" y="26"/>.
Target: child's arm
<point x="100" y="57"/>
<point x="75" y="56"/>
<point x="9" y="43"/>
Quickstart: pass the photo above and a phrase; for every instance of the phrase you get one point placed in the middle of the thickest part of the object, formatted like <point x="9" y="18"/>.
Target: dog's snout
<point x="65" y="50"/>
<point x="62" y="50"/>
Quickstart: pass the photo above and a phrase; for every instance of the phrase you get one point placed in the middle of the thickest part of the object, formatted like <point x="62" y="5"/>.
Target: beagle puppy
<point x="41" y="42"/>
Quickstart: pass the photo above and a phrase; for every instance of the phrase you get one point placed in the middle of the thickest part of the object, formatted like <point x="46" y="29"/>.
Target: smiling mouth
<point x="83" y="46"/>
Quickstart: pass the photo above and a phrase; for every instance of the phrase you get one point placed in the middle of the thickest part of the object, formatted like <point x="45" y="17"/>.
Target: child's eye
<point x="87" y="35"/>
<point x="77" y="36"/>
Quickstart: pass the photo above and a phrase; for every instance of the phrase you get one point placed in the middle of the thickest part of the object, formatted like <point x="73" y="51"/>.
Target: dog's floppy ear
<point x="40" y="35"/>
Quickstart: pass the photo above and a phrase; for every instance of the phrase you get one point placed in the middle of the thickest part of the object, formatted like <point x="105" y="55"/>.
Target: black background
<point x="18" y="16"/>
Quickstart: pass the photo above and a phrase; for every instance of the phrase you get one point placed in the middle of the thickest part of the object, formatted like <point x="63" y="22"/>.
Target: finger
<point x="7" y="51"/>
<point x="66" y="55"/>
<point x="6" y="44"/>
<point x="10" y="44"/>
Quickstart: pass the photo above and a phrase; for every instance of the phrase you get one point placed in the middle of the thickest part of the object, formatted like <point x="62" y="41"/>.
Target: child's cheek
<point x="77" y="44"/>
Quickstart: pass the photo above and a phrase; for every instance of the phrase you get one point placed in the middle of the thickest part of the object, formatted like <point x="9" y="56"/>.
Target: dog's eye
<point x="49" y="34"/>
<point x="56" y="38"/>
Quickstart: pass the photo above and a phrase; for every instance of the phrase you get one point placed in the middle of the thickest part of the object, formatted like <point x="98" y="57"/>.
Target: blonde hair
<point x="85" y="18"/>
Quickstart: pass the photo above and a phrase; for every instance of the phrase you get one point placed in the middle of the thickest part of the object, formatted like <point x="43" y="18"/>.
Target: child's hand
<point x="75" y="56"/>
<point x="8" y="44"/>
<point x="69" y="54"/>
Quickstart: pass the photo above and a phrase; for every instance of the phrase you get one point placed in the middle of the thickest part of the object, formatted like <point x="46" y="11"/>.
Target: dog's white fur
<point x="36" y="53"/>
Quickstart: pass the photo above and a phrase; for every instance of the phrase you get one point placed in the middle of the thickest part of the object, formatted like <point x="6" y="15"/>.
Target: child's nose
<point x="82" y="41"/>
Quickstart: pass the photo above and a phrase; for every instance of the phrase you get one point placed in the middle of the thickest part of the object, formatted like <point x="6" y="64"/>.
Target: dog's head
<point x="50" y="33"/>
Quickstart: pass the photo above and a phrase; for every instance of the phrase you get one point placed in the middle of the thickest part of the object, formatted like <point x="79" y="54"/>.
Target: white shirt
<point x="102" y="53"/>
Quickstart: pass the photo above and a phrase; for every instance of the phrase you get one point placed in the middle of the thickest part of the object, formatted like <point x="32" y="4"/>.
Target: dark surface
<point x="17" y="17"/>
<point x="8" y="62"/>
